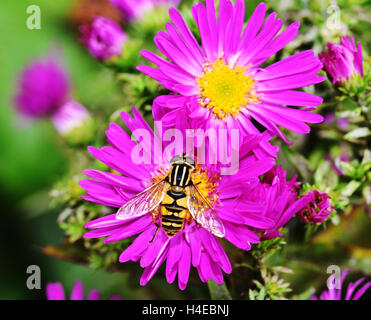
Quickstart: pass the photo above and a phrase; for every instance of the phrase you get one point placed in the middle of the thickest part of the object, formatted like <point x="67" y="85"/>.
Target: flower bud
<point x="343" y="60"/>
<point x="104" y="38"/>
<point x="317" y="207"/>
<point x="42" y="88"/>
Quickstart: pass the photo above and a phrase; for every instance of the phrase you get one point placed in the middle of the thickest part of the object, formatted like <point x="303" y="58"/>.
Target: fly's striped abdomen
<point x="173" y="212"/>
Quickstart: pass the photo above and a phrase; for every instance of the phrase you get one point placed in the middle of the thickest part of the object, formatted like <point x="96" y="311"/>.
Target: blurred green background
<point x="32" y="160"/>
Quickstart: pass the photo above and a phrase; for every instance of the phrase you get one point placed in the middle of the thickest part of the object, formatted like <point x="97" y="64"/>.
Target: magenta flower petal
<point x="94" y="295"/>
<point x="77" y="291"/>
<point x="55" y="291"/>
<point x="350" y="293"/>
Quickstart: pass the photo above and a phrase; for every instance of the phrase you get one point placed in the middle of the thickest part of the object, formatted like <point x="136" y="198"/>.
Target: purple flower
<point x="71" y="115"/>
<point x="342" y="61"/>
<point x="44" y="93"/>
<point x="104" y="38"/>
<point x="43" y="89"/>
<point x="55" y="291"/>
<point x="317" y="207"/>
<point x="222" y="79"/>
<point x="351" y="294"/>
<point x="193" y="244"/>
<point x="133" y="10"/>
<point x="275" y="198"/>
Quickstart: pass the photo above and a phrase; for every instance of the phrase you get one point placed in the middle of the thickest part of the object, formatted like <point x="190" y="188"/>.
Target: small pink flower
<point x="276" y="197"/>
<point x="43" y="87"/>
<point x="343" y="60"/>
<point x="317" y="207"/>
<point x="43" y="92"/>
<point x="104" y="38"/>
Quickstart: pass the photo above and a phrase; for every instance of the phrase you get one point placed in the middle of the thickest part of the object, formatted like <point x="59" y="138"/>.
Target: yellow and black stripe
<point x="173" y="212"/>
<point x="180" y="175"/>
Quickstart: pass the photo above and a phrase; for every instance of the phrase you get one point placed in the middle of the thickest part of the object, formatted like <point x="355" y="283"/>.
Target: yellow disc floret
<point x="206" y="183"/>
<point x="226" y="90"/>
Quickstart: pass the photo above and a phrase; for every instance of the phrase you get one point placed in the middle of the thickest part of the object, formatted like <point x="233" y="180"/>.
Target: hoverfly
<point x="176" y="200"/>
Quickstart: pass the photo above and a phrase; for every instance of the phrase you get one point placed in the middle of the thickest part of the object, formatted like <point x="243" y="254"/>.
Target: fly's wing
<point x="203" y="213"/>
<point x="143" y="202"/>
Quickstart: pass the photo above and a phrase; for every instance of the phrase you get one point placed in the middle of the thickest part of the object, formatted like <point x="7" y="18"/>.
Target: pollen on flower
<point x="207" y="183"/>
<point x="159" y="174"/>
<point x="226" y="90"/>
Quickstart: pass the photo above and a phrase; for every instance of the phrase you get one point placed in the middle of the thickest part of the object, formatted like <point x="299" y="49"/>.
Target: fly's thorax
<point x="180" y="175"/>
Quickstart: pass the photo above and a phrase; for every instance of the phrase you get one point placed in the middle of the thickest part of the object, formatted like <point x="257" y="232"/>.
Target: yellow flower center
<point x="207" y="184"/>
<point x="226" y="90"/>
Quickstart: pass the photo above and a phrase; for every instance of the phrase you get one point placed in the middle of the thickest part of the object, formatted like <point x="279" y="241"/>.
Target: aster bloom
<point x="222" y="78"/>
<point x="351" y="293"/>
<point x="343" y="60"/>
<point x="44" y="93"/>
<point x="71" y="115"/>
<point x="317" y="207"/>
<point x="133" y="10"/>
<point x="193" y="245"/>
<point x="43" y="89"/>
<point x="55" y="291"/>
<point x="104" y="38"/>
<point x="275" y="198"/>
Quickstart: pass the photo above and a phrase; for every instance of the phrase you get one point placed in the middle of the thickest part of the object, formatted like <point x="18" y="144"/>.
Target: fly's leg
<point x="154" y="216"/>
<point x="154" y="236"/>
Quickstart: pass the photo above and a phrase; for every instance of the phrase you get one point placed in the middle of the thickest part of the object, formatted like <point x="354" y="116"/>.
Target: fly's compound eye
<point x="176" y="159"/>
<point x="190" y="161"/>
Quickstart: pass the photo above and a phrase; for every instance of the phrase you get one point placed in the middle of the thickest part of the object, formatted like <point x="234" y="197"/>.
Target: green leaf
<point x="218" y="291"/>
<point x="350" y="188"/>
<point x="251" y="295"/>
<point x="357" y="134"/>
<point x="261" y="294"/>
<point x="366" y="191"/>
<point x="346" y="168"/>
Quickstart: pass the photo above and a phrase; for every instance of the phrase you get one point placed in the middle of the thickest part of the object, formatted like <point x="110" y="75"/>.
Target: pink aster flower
<point x="351" y="293"/>
<point x="104" y="38"/>
<point x="43" y="89"/>
<point x="317" y="207"/>
<point x="55" y="291"/>
<point x="222" y="78"/>
<point x="133" y="10"/>
<point x="43" y="92"/>
<point x="274" y="198"/>
<point x="343" y="60"/>
<point x="193" y="244"/>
